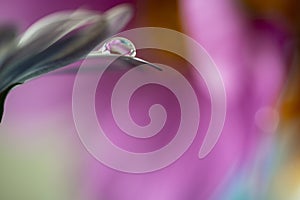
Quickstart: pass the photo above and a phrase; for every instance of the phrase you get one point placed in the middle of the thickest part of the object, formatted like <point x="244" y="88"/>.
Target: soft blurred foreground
<point x="256" y="48"/>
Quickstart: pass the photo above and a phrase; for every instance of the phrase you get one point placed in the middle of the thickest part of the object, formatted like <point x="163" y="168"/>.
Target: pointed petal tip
<point x="118" y="17"/>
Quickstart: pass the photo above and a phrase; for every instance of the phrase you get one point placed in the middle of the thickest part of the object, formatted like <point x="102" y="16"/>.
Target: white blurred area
<point x="38" y="155"/>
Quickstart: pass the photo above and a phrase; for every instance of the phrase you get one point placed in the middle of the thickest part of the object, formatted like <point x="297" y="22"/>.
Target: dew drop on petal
<point x="119" y="46"/>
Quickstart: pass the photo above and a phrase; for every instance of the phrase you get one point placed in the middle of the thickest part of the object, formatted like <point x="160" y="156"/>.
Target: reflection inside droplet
<point x="119" y="46"/>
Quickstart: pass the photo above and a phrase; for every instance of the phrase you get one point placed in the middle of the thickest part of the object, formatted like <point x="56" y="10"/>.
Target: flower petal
<point x="8" y="34"/>
<point x="48" y="50"/>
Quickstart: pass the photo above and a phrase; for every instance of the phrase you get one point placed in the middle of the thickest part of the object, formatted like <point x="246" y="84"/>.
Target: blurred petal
<point x="56" y="41"/>
<point x="71" y="38"/>
<point x="8" y="34"/>
<point x="118" y="17"/>
<point x="58" y="24"/>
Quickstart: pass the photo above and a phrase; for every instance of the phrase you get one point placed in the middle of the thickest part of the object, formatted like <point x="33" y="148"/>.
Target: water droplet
<point x="119" y="46"/>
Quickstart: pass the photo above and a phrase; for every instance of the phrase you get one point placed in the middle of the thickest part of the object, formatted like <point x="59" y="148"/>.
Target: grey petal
<point x="118" y="17"/>
<point x="67" y="50"/>
<point x="51" y="28"/>
<point x="23" y="59"/>
<point x="42" y="55"/>
<point x="117" y="62"/>
<point x="8" y="34"/>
